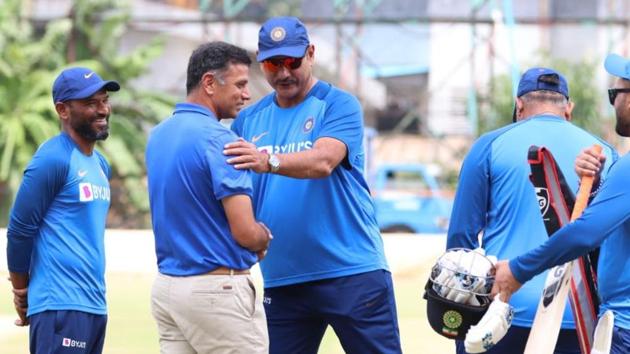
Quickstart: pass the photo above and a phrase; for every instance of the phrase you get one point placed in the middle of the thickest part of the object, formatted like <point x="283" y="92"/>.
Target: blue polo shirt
<point x="188" y="176"/>
<point x="57" y="227"/>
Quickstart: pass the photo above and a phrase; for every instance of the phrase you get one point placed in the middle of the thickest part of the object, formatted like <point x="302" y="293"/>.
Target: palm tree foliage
<point x="29" y="62"/>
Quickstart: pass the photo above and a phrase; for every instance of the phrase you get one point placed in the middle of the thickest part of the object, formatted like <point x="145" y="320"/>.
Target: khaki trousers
<point x="209" y="314"/>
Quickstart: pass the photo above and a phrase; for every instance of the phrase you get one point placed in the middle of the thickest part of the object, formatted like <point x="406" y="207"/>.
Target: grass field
<point x="131" y="329"/>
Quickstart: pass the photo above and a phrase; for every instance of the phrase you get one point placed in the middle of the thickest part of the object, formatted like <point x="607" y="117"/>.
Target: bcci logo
<point x="277" y="34"/>
<point x="309" y="123"/>
<point x="542" y="195"/>
<point x="452" y="321"/>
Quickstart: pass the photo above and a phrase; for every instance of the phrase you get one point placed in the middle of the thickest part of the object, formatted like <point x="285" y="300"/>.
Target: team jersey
<point x="57" y="227"/>
<point x="605" y="222"/>
<point x="325" y="227"/>
<point x="496" y="197"/>
<point x="188" y="176"/>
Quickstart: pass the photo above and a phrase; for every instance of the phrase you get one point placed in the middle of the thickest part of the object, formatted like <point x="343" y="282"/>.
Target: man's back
<point x="188" y="177"/>
<point x="496" y="196"/>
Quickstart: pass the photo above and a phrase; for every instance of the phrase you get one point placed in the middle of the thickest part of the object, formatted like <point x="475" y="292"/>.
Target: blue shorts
<point x="620" y="341"/>
<point x="67" y="332"/>
<point x="516" y="338"/>
<point x="360" y="308"/>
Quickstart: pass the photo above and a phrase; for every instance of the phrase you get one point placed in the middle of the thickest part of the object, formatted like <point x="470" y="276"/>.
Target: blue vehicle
<point x="408" y="199"/>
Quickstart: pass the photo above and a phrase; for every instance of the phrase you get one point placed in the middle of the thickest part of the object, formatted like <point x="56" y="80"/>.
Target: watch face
<point x="274" y="163"/>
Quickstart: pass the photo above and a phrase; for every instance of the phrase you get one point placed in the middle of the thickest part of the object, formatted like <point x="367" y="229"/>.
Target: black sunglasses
<point x="612" y="94"/>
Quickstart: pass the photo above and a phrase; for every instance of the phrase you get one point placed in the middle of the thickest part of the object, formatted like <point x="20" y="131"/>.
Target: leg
<point x="67" y="331"/>
<point x="172" y="340"/>
<point x="293" y="327"/>
<point x="362" y="311"/>
<point x="620" y="341"/>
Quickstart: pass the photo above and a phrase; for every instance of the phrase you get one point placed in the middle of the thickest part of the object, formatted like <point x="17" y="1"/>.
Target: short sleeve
<point x="226" y="180"/>
<point x="344" y="121"/>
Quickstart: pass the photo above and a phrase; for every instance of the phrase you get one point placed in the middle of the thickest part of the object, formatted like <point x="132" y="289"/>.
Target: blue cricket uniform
<point x="326" y="239"/>
<point x="192" y="234"/>
<point x="495" y="196"/>
<point x="605" y="222"/>
<point x="57" y="226"/>
<point x="56" y="235"/>
<point x="332" y="226"/>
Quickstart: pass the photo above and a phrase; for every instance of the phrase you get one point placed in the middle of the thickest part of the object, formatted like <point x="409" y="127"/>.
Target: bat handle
<point x="586" y="184"/>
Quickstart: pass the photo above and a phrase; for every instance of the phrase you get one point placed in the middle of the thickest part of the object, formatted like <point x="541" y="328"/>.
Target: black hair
<point x="213" y="56"/>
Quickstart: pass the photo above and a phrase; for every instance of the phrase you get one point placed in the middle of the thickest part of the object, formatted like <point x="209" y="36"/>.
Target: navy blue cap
<point x="617" y="65"/>
<point x="530" y="81"/>
<point x="282" y="36"/>
<point x="78" y="83"/>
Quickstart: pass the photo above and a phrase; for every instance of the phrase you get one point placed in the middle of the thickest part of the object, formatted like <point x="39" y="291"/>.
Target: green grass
<point x="131" y="329"/>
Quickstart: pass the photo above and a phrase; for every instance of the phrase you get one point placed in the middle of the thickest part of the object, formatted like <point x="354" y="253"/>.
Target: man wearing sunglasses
<point x="326" y="265"/>
<point x="605" y="222"/>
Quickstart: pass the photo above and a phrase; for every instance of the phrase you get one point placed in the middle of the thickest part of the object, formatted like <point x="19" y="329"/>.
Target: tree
<point x="29" y="62"/>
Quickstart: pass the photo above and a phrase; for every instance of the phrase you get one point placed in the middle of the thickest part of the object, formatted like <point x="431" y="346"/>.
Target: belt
<point x="228" y="271"/>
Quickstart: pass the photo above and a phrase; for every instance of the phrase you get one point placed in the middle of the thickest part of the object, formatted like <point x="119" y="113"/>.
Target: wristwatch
<point x="274" y="163"/>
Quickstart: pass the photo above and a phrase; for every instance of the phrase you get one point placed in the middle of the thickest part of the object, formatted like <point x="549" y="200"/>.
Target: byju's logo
<point x="71" y="343"/>
<point x="89" y="192"/>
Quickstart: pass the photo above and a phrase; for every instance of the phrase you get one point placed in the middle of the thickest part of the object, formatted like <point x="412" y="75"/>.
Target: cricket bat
<point x="544" y="332"/>
<point x="603" y="333"/>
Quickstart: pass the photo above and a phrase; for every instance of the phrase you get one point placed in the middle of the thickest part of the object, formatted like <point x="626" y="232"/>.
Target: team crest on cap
<point x="309" y="123"/>
<point x="277" y="34"/>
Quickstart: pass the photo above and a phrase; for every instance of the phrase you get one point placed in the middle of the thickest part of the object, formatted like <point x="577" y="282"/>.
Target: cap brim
<point x="617" y="65"/>
<point x="294" y="51"/>
<point x="90" y="90"/>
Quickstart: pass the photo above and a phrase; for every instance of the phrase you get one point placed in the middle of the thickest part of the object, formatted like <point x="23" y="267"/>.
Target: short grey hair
<point x="546" y="96"/>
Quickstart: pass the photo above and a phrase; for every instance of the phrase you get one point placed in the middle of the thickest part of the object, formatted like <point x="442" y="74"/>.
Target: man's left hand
<point x="504" y="281"/>
<point x="246" y="156"/>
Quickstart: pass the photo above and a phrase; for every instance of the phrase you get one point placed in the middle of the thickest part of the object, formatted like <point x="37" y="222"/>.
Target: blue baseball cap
<point x="78" y="83"/>
<point x="617" y="65"/>
<point x="531" y="81"/>
<point x="285" y="36"/>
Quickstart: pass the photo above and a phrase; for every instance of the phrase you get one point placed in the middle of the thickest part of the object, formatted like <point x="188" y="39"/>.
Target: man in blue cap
<point x="495" y="196"/>
<point x="55" y="248"/>
<point x="605" y="222"/>
<point x="326" y="265"/>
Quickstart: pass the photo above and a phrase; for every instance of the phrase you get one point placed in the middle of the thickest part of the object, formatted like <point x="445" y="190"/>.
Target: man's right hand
<point x="20" y="300"/>
<point x="590" y="163"/>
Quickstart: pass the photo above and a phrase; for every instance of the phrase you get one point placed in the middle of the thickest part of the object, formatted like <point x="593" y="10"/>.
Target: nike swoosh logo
<point x="82" y="173"/>
<point x="87" y="76"/>
<point x="255" y="138"/>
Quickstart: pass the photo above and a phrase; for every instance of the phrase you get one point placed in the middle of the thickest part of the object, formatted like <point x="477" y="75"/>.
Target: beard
<point x="85" y="129"/>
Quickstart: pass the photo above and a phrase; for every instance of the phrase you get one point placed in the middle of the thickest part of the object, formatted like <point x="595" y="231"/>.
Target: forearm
<point x="255" y="239"/>
<point x="569" y="243"/>
<point x="19" y="280"/>
<point x="305" y="165"/>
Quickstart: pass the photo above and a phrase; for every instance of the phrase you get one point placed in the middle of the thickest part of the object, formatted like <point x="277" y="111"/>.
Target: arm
<point x="602" y="218"/>
<point x="468" y="217"/>
<point x="338" y="141"/>
<point x="318" y="162"/>
<point x="246" y="231"/>
<point x="42" y="180"/>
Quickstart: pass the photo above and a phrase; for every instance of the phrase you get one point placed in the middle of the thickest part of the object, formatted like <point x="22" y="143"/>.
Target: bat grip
<point x="586" y="184"/>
